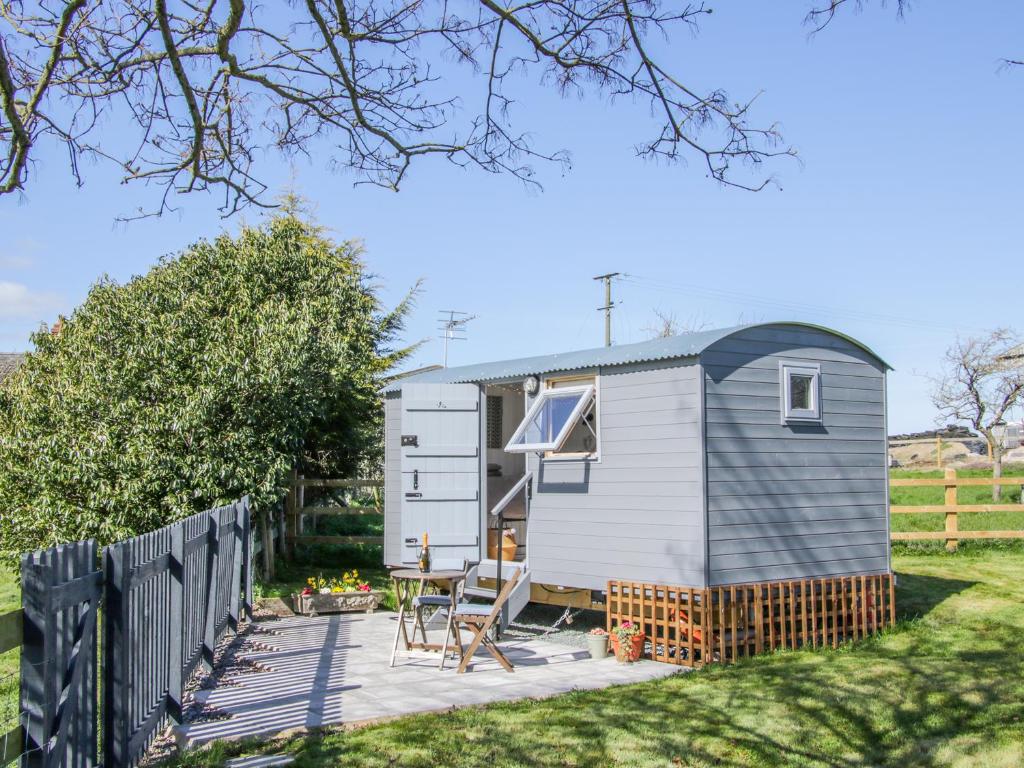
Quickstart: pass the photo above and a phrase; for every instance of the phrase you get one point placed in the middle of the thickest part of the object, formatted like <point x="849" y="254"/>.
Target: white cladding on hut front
<point x="746" y="454"/>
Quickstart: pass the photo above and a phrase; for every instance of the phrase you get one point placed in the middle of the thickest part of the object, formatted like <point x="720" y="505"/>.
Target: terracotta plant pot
<point x="630" y="651"/>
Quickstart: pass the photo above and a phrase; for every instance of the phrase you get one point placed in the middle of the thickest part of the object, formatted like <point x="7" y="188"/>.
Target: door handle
<point x="415" y="478"/>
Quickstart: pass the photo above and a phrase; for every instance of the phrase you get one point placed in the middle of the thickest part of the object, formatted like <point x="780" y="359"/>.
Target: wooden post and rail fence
<point x="297" y="513"/>
<point x="952" y="509"/>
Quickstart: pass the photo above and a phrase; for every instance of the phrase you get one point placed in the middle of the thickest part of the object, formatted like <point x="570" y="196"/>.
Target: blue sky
<point x="900" y="226"/>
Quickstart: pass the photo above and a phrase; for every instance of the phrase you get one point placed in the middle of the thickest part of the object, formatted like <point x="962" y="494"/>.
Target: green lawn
<point x="10" y="598"/>
<point x="944" y="688"/>
<point x="329" y="560"/>
<point x="973" y="521"/>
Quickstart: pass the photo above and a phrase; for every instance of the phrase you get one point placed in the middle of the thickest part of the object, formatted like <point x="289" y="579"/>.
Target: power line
<point x="453" y="328"/>
<point x="746" y="299"/>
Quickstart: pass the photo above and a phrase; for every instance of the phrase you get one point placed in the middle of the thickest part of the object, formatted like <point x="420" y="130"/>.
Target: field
<point x="975" y="521"/>
<point x="9" y="600"/>
<point x="944" y="688"/>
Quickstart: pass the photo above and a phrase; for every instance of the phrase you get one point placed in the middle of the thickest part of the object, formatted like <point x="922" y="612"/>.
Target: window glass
<point x="800" y="391"/>
<point x="551" y="418"/>
<point x="549" y="422"/>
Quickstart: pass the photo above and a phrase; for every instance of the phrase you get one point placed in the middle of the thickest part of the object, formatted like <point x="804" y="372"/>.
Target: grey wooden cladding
<point x="61" y="588"/>
<point x="171" y="595"/>
<point x="636" y="512"/>
<point x="392" y="479"/>
<point x="790" y="501"/>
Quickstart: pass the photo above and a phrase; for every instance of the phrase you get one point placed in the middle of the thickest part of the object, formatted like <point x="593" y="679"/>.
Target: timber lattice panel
<point x="693" y="626"/>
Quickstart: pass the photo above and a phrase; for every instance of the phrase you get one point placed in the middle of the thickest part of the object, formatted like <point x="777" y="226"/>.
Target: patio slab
<point x="302" y="672"/>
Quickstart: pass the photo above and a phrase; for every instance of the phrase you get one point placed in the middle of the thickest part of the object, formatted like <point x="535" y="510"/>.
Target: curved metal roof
<point x="683" y="345"/>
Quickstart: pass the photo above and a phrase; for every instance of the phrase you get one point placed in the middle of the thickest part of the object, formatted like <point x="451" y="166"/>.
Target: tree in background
<point x="981" y="381"/>
<point x="197" y="383"/>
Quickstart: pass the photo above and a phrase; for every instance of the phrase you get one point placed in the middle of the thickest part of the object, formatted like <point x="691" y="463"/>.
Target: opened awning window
<point x="551" y="418"/>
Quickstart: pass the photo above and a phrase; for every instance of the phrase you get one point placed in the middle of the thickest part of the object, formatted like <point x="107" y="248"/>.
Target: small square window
<point x="800" y="393"/>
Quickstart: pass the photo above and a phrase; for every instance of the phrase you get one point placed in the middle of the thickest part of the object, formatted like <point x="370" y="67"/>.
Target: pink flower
<point x="364" y="587"/>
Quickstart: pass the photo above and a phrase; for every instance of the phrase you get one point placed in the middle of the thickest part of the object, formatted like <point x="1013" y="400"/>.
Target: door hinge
<point x="412" y="495"/>
<point x="412" y="441"/>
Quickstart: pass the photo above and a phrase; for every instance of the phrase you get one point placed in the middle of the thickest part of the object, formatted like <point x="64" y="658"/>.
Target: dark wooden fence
<point x="168" y="598"/>
<point x="61" y="590"/>
<point x="171" y="595"/>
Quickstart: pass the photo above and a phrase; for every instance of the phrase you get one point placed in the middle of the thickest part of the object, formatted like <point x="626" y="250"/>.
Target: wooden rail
<point x="952" y="509"/>
<point x="297" y="511"/>
<point x="11" y="624"/>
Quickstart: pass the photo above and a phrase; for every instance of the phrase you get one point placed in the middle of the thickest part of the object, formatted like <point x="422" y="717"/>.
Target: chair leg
<point x="495" y="651"/>
<point x="479" y="633"/>
<point x="447" y="634"/>
<point x="418" y="622"/>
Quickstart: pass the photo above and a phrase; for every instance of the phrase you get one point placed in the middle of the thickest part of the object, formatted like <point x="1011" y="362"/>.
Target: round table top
<point x="416" y="573"/>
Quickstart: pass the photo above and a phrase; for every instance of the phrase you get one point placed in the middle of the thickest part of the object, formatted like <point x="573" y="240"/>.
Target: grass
<point x="973" y="521"/>
<point x="944" y="688"/>
<point x="10" y="598"/>
<point x="329" y="560"/>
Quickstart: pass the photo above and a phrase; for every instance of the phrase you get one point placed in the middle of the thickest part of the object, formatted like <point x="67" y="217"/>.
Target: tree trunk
<point x="997" y="469"/>
<point x="268" y="544"/>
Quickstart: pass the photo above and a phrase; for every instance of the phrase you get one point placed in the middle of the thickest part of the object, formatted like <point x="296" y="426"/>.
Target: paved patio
<point x="307" y="672"/>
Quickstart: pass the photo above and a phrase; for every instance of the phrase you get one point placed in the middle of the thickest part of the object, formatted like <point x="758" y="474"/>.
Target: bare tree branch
<point x="368" y="86"/>
<point x="982" y="380"/>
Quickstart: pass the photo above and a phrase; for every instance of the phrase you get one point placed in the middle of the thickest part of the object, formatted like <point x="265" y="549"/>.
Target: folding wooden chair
<point x="478" y="619"/>
<point x="442" y="602"/>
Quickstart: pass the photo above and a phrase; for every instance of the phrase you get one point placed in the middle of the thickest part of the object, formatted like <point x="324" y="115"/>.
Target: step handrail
<point x="497" y="511"/>
<point x="507" y="498"/>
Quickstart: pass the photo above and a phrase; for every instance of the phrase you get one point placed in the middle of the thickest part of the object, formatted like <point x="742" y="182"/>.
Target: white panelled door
<point x="441" y="470"/>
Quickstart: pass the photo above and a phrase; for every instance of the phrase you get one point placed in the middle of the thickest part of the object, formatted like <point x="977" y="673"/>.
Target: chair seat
<point x="471" y="609"/>
<point x="442" y="600"/>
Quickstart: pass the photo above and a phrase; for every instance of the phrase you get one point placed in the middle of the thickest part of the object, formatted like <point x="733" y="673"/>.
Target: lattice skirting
<point x="693" y="626"/>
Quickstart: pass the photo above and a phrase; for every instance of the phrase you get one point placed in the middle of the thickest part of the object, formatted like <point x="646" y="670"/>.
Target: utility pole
<point x="608" y="305"/>
<point x="451" y="327"/>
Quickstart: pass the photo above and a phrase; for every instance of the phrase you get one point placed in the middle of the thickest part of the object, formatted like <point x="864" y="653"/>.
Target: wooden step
<point x="484" y="592"/>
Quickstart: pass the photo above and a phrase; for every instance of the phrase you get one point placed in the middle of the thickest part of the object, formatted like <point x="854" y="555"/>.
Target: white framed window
<point x="800" y="392"/>
<point x="553" y="416"/>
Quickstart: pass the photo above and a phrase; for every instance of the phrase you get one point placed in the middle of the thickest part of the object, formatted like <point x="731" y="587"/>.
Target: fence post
<point x="237" y="564"/>
<point x="247" y="558"/>
<point x="115" y="656"/>
<point x="212" y="584"/>
<point x="36" y="697"/>
<point x="176" y="624"/>
<point x="952" y="520"/>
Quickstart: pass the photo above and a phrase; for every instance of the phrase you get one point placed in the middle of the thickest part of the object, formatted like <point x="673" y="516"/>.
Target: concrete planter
<point x="597" y="645"/>
<point x="338" y="602"/>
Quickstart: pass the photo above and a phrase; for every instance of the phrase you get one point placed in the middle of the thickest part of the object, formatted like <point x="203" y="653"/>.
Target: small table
<point x="410" y="582"/>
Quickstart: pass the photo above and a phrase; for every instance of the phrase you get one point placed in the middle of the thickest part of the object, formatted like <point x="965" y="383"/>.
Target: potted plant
<point x="333" y="595"/>
<point x="597" y="643"/>
<point x="628" y="641"/>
